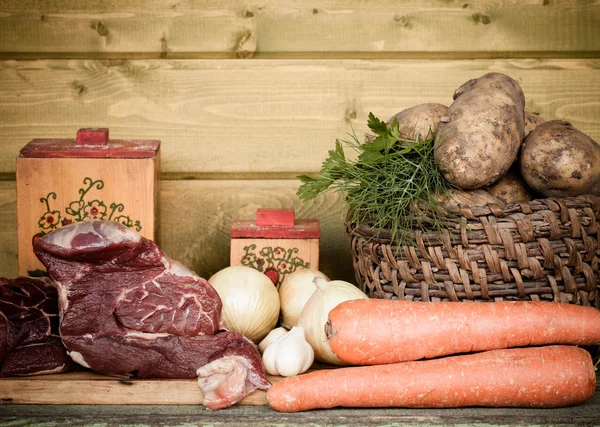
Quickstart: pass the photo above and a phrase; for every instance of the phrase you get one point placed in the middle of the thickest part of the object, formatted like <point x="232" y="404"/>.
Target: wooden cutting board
<point x="92" y="388"/>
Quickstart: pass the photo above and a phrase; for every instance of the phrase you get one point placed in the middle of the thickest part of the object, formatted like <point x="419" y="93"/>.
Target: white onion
<point x="294" y="293"/>
<point x="316" y="311"/>
<point x="250" y="301"/>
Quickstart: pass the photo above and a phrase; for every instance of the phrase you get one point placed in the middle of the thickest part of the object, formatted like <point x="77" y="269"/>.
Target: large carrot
<point x="542" y="377"/>
<point x="375" y="331"/>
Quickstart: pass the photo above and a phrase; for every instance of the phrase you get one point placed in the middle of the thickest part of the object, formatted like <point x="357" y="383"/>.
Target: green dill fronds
<point x="392" y="184"/>
<point x="332" y="170"/>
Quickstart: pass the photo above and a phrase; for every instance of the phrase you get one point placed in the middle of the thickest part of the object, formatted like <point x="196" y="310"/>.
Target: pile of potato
<point x="490" y="149"/>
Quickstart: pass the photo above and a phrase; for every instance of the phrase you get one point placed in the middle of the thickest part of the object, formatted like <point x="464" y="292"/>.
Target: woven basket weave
<point x="547" y="249"/>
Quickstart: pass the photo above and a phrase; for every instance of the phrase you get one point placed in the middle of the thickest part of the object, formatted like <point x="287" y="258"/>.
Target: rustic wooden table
<point x="587" y="414"/>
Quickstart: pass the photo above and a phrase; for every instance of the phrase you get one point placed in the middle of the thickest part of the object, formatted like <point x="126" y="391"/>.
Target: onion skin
<point x="250" y="301"/>
<point x="294" y="293"/>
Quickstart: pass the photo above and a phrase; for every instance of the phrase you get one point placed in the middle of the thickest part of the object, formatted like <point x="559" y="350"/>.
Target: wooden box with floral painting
<point x="276" y="243"/>
<point x="61" y="181"/>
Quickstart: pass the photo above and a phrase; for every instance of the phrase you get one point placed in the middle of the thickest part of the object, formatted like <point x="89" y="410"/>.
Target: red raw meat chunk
<point x="129" y="310"/>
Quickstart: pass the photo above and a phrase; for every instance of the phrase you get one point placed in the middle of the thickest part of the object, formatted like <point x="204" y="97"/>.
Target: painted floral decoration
<point x="275" y="262"/>
<point x="78" y="210"/>
<point x="51" y="218"/>
<point x="95" y="209"/>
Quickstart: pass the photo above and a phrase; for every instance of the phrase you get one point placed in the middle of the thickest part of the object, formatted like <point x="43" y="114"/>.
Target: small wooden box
<point x="276" y="244"/>
<point x="60" y="181"/>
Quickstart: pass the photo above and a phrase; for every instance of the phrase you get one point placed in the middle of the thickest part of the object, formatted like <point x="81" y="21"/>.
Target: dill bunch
<point x="391" y="184"/>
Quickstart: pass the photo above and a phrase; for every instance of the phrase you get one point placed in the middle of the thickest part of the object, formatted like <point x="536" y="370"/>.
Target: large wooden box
<point x="60" y="181"/>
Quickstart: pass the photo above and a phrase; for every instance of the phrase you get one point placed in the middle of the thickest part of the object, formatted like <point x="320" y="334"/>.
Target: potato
<point x="558" y="160"/>
<point x="510" y="188"/>
<point x="417" y="122"/>
<point x="471" y="198"/>
<point x="479" y="139"/>
<point x="532" y="120"/>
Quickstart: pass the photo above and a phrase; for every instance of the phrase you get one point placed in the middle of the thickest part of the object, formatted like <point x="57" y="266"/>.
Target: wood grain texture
<point x="90" y="388"/>
<point x="195" y="218"/>
<point x="95" y="389"/>
<point x="229" y="28"/>
<point x="260" y="416"/>
<point x="226" y="118"/>
<point x="8" y="229"/>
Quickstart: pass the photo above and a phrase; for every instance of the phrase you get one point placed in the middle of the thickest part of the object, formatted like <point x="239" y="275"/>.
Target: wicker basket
<point x="546" y="249"/>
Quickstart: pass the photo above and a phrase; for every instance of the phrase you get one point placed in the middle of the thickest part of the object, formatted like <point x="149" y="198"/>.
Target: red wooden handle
<point x="279" y="217"/>
<point x="92" y="136"/>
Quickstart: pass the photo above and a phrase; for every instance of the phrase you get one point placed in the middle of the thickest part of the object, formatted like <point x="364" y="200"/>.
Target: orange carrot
<point x="373" y="332"/>
<point x="542" y="377"/>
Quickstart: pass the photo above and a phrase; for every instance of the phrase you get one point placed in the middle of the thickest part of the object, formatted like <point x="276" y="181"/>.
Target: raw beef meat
<point x="129" y="310"/>
<point x="29" y="342"/>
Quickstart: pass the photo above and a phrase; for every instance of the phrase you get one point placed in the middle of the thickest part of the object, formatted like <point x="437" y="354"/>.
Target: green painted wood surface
<point x="8" y="229"/>
<point x="228" y="28"/>
<point x="238" y="119"/>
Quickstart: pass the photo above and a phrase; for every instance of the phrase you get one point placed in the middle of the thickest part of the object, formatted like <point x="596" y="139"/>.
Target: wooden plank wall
<point x="246" y="95"/>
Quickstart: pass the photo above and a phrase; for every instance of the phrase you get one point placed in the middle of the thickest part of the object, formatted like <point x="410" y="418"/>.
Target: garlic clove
<point x="271" y="338"/>
<point x="309" y="357"/>
<point x="269" y="359"/>
<point x="289" y="361"/>
<point x="289" y="355"/>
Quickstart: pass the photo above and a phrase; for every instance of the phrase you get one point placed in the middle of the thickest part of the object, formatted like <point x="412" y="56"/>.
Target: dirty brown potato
<point x="472" y="198"/>
<point x="558" y="160"/>
<point x="419" y="122"/>
<point x="510" y="188"/>
<point x="479" y="139"/>
<point x="532" y="120"/>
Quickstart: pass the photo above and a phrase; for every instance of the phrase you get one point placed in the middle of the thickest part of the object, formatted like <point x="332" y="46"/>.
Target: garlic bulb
<point x="271" y="338"/>
<point x="316" y="311"/>
<point x="250" y="301"/>
<point x="294" y="293"/>
<point x="289" y="355"/>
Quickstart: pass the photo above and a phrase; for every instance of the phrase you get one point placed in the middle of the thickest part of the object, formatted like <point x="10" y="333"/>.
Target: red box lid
<point x="276" y="224"/>
<point x="91" y="143"/>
